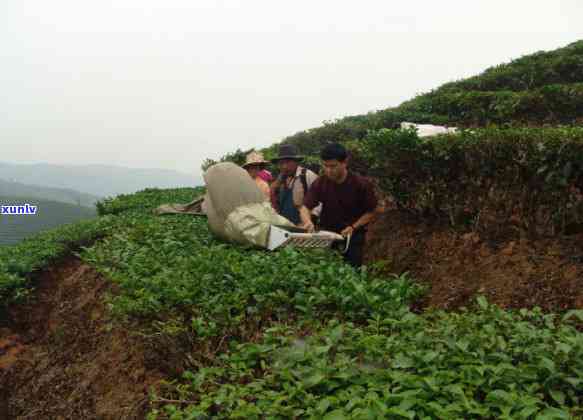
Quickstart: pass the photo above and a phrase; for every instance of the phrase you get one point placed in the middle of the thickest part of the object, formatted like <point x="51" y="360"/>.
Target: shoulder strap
<point x="304" y="180"/>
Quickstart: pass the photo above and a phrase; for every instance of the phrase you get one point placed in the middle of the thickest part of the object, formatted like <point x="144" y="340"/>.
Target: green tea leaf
<point x="558" y="396"/>
<point x="552" y="413"/>
<point x="335" y="415"/>
<point x="313" y="380"/>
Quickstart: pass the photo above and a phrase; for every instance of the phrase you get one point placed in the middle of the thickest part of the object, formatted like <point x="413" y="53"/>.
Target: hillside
<point x="61" y="195"/>
<point x="50" y="214"/>
<point x="545" y="88"/>
<point x="537" y="89"/>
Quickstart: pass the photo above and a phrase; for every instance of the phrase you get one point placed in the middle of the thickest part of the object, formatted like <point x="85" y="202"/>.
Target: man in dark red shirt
<point x="348" y="201"/>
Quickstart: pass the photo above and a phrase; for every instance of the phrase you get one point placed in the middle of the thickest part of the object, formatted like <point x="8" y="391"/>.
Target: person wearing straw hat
<point x="292" y="184"/>
<point x="254" y="164"/>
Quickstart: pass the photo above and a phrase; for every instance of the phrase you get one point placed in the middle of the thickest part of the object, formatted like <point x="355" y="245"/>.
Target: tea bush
<point x="531" y="176"/>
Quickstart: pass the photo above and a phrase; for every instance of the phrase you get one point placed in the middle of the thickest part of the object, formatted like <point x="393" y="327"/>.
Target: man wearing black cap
<point x="348" y="201"/>
<point x="293" y="182"/>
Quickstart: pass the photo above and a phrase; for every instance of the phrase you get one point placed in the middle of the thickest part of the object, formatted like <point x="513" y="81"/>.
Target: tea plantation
<point x="298" y="334"/>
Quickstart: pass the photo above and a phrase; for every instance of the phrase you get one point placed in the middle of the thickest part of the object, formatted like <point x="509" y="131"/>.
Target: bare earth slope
<point x="61" y="358"/>
<point x="456" y="267"/>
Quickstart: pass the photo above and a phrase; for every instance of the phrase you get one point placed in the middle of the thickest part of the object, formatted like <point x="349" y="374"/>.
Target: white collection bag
<point x="426" y="130"/>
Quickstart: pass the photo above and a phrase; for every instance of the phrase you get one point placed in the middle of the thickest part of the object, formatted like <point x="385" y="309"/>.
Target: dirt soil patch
<point x="457" y="266"/>
<point x="61" y="357"/>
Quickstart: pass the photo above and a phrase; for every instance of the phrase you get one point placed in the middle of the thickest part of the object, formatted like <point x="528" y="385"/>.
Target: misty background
<point x="167" y="84"/>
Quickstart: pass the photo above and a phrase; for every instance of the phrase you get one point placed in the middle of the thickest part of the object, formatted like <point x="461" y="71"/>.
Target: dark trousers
<point x="354" y="254"/>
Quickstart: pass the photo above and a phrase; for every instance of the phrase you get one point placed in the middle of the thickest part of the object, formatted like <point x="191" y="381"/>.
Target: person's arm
<point x="306" y="219"/>
<point x="365" y="219"/>
<point x="273" y="199"/>
<point x="264" y="187"/>
<point x="310" y="201"/>
<point x="274" y="192"/>
<point x="372" y="208"/>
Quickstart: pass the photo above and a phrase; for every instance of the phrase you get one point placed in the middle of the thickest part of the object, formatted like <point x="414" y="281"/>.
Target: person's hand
<point x="309" y="226"/>
<point x="348" y="230"/>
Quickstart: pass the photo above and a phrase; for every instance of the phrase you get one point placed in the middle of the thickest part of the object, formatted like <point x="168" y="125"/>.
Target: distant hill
<point x="61" y="195"/>
<point x="98" y="180"/>
<point x="50" y="214"/>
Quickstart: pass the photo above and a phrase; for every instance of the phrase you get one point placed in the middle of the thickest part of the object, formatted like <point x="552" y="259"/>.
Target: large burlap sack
<point x="236" y="208"/>
<point x="216" y="224"/>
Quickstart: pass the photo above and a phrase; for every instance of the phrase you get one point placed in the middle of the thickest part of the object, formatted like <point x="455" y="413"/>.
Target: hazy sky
<point x="167" y="83"/>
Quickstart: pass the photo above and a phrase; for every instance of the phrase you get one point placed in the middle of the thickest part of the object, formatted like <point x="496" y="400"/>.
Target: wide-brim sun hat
<point x="255" y="159"/>
<point x="288" y="151"/>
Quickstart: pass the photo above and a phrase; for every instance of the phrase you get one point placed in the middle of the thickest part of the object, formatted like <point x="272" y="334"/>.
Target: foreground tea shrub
<point x="172" y="264"/>
<point x="481" y="363"/>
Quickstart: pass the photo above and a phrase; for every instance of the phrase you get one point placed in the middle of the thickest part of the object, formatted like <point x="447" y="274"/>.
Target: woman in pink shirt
<point x="265" y="175"/>
<point x="255" y="164"/>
